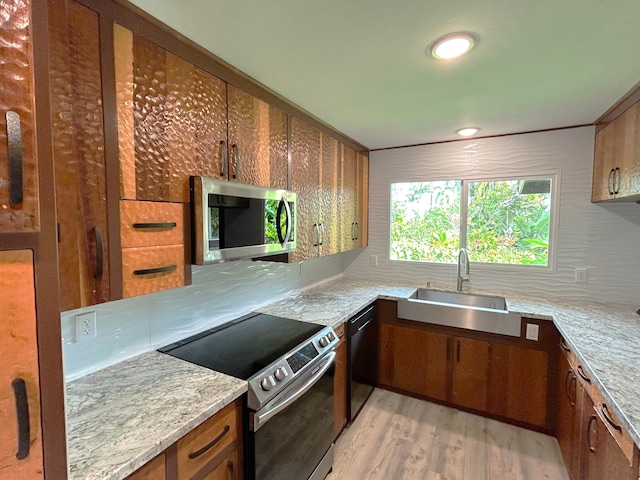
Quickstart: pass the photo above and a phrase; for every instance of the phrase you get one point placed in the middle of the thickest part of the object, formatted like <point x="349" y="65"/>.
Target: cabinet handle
<point x="353" y="230"/>
<point x="99" y="266"/>
<point x="357" y="231"/>
<point x="149" y="271"/>
<point x="592" y="448"/>
<point x="209" y="445"/>
<point x="155" y="225"/>
<point x="563" y="345"/>
<point x="567" y="387"/>
<point x="22" y="408"/>
<point x="232" y="470"/>
<point x="322" y="231"/>
<point x="316" y="235"/>
<point x="225" y="158"/>
<point x="458" y="354"/>
<point x="583" y="375"/>
<point x="605" y="412"/>
<point x="236" y="156"/>
<point x="14" y="155"/>
<point x="610" y="182"/>
<point x="616" y="181"/>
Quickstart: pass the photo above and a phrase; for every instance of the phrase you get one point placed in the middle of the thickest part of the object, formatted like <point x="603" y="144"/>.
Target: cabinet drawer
<point x="145" y="224"/>
<point x="151" y="269"/>
<point x="227" y="470"/>
<point x="153" y="470"/>
<point x="203" y="443"/>
<point x="609" y="419"/>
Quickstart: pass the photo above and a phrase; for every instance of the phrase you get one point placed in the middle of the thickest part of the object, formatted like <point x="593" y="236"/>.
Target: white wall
<point x="605" y="238"/>
<point x="219" y="293"/>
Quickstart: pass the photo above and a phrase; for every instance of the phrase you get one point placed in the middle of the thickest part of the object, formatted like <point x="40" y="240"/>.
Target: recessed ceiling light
<point x="467" y="132"/>
<point x="453" y="45"/>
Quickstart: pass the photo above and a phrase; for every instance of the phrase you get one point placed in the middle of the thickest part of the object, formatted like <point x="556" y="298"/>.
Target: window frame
<point x="551" y="265"/>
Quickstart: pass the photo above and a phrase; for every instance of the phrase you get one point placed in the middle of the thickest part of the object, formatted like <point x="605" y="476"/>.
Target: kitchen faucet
<point x="463" y="277"/>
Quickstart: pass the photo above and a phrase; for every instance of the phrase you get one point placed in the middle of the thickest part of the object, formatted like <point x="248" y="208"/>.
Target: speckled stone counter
<point x="605" y="338"/>
<point x="121" y="417"/>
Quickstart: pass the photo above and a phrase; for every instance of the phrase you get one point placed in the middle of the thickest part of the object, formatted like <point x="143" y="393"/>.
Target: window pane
<point x="425" y="221"/>
<point x="508" y="221"/>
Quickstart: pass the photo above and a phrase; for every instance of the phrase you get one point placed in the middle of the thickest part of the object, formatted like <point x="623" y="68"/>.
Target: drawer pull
<point x="563" y="345"/>
<point x="583" y="375"/>
<point x="209" y="445"/>
<point x="592" y="448"/>
<point x="568" y="381"/>
<point x="155" y="226"/>
<point x="605" y="413"/>
<point x="22" y="408"/>
<point x="150" y="271"/>
<point x="14" y="154"/>
<point x="232" y="470"/>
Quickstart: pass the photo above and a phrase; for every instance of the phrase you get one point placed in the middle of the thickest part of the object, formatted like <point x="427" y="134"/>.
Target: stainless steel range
<point x="290" y="367"/>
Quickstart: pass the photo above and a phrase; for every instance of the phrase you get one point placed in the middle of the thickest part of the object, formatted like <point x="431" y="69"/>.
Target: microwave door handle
<point x="289" y="219"/>
<point x="236" y="157"/>
<point x="260" y="419"/>
<point x="283" y="204"/>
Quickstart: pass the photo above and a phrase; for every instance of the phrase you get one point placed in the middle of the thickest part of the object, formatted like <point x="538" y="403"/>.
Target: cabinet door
<point x="20" y="435"/>
<point x="305" y="181"/>
<point x="414" y="361"/>
<point x="227" y="470"/>
<point x="340" y="388"/>
<point x="329" y="179"/>
<point x="362" y="206"/>
<point x="78" y="149"/>
<point x="18" y="163"/>
<point x="172" y="120"/>
<point x="153" y="470"/>
<point x="602" y="184"/>
<point x="629" y="183"/>
<point x="470" y="373"/>
<point x="258" y="141"/>
<point x="348" y="198"/>
<point x="518" y="384"/>
<point x="568" y="437"/>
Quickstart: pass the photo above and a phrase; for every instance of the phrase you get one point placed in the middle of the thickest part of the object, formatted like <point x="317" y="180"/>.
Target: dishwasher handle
<point x="259" y="419"/>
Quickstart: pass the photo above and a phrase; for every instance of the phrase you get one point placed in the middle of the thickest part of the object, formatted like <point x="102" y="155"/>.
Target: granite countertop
<point x="605" y="338"/>
<point x="121" y="417"/>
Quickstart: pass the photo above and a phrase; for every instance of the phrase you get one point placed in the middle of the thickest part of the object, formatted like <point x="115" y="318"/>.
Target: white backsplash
<point x="601" y="237"/>
<point x="219" y="293"/>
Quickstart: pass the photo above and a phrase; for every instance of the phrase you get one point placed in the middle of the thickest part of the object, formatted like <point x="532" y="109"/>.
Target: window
<point x="504" y="221"/>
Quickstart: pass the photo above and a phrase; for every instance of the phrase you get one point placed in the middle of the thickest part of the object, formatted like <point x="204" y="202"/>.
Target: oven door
<point x="290" y="436"/>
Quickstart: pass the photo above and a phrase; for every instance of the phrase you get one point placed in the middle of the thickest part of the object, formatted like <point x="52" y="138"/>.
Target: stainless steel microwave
<point x="231" y="221"/>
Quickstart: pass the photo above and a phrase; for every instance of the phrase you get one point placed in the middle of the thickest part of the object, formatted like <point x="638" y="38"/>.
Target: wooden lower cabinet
<point x="470" y="373"/>
<point x="567" y="428"/>
<point x="413" y="360"/>
<point x="227" y="470"/>
<point x="153" y="470"/>
<point x="21" y="434"/>
<point x="340" y="384"/>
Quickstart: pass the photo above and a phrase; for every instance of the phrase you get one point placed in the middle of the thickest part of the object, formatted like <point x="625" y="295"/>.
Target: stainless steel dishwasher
<point x="362" y="340"/>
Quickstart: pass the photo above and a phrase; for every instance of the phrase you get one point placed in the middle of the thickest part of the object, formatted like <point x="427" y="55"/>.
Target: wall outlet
<point x="373" y="260"/>
<point x="581" y="275"/>
<point x="532" y="331"/>
<point x="86" y="326"/>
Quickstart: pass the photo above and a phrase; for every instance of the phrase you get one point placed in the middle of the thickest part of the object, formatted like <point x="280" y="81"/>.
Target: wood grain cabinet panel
<point x="153" y="470"/>
<point x="18" y="162"/>
<point x="567" y="432"/>
<point x="470" y="373"/>
<point x="203" y="443"/>
<point x="152" y="269"/>
<point x="78" y="150"/>
<point x="340" y="384"/>
<point x="19" y="385"/>
<point x="227" y="470"/>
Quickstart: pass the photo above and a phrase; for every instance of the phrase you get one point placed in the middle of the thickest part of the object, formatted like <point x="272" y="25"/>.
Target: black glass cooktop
<point x="245" y="346"/>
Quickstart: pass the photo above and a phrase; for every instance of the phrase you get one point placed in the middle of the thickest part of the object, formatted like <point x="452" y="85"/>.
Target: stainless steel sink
<point x="461" y="310"/>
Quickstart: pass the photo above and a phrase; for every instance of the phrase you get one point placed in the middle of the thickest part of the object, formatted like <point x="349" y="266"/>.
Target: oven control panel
<point x="270" y="381"/>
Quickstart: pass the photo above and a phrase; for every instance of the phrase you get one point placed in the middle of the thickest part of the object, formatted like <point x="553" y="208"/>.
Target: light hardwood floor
<point x="400" y="438"/>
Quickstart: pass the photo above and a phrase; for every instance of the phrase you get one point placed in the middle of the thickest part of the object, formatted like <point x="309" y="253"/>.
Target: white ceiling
<point x="361" y="66"/>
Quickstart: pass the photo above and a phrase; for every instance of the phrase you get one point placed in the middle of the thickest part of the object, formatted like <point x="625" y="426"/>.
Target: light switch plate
<point x="373" y="260"/>
<point x="532" y="331"/>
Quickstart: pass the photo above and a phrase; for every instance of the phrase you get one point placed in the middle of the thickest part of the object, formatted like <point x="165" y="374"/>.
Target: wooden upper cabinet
<point x="172" y="120"/>
<point x="18" y="163"/>
<point x="78" y="151"/>
<point x="257" y="140"/>
<point x="616" y="166"/>
<point x="348" y="198"/>
<point x="305" y="181"/>
<point x="20" y="435"/>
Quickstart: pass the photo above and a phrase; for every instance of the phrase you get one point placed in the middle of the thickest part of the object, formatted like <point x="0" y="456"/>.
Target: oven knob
<point x="331" y="336"/>
<point x="281" y="374"/>
<point x="267" y="383"/>
<point x="323" y="342"/>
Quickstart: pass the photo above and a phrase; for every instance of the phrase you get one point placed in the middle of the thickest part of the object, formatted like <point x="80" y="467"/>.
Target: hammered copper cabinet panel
<point x="347" y="202"/>
<point x="305" y="181"/>
<point x="76" y="102"/>
<point x="19" y="360"/>
<point x="16" y="95"/>
<point x="362" y="206"/>
<point x="137" y="259"/>
<point x="330" y="184"/>
<point x="196" y="108"/>
<point x="258" y="141"/>
<point x="146" y="224"/>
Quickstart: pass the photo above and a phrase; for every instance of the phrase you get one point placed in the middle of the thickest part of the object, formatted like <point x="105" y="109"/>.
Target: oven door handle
<point x="260" y="419"/>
